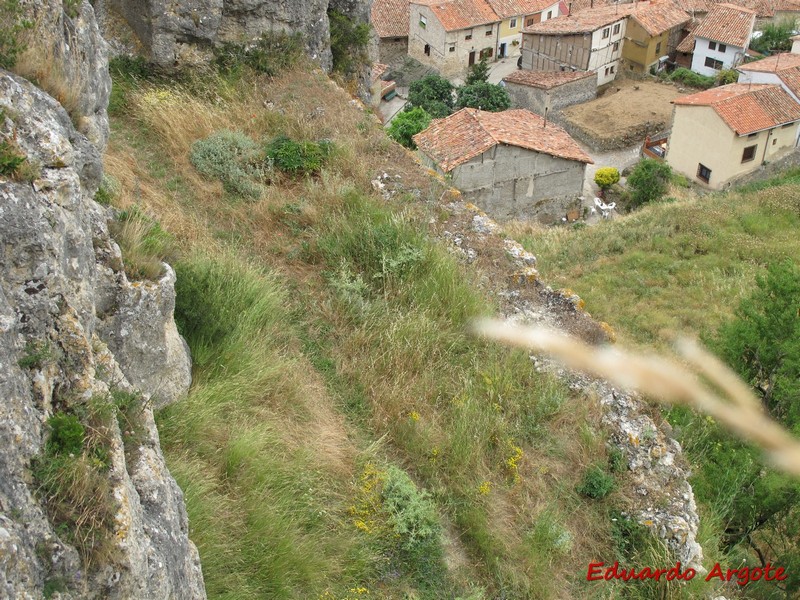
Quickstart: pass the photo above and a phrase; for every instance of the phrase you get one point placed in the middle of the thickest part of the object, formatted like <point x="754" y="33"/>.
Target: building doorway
<point x="502" y="52"/>
<point x="471" y="58"/>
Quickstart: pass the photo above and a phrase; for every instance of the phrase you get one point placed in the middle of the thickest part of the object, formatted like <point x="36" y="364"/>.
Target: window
<point x="606" y="32"/>
<point x="612" y="68"/>
<point x="549" y="14"/>
<point x="607" y="71"/>
<point x="487" y="53"/>
<point x="713" y="63"/>
<point x="513" y="24"/>
<point x="489" y="32"/>
<point x="530" y="21"/>
<point x="423" y="21"/>
<point x="452" y="48"/>
<point x="427" y="50"/>
<point x="468" y="36"/>
<point x="616" y="46"/>
<point x="658" y="48"/>
<point x="749" y="153"/>
<point x="703" y="173"/>
<point x="616" y="29"/>
<point x="753" y="135"/>
<point x="722" y="47"/>
<point x="774" y="141"/>
<point x="712" y="45"/>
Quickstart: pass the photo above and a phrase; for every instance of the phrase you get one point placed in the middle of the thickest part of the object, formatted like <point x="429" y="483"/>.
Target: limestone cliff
<point x="74" y="329"/>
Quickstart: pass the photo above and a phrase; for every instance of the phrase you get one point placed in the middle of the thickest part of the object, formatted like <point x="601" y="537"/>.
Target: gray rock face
<point x="62" y="289"/>
<point x="173" y="30"/>
<point x="70" y="46"/>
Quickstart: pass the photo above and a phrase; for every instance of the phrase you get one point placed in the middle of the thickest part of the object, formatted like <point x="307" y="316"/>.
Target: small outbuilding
<point x="513" y="164"/>
<point x="545" y="91"/>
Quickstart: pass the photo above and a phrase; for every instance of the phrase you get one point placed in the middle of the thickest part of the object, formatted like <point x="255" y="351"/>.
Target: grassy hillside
<point x="676" y="266"/>
<point x="344" y="437"/>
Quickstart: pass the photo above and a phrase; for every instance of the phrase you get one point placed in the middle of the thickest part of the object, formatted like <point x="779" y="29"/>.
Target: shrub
<point x="727" y="76"/>
<point x="144" y="244"/>
<point x="433" y="93"/>
<point x="234" y="159"/>
<point x="596" y="483"/>
<point x="478" y="73"/>
<point x="348" y="42"/>
<point x="486" y="96"/>
<point x="298" y="158"/>
<point x="10" y="158"/>
<point x="648" y="181"/>
<point x="36" y="354"/>
<point x="272" y="53"/>
<point x="407" y="124"/>
<point x="66" y="434"/>
<point x="605" y="177"/>
<point x="692" y="79"/>
<point x="11" y="25"/>
<point x="775" y="37"/>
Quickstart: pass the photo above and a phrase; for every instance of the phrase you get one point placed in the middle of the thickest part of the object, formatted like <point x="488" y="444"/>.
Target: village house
<point x="589" y="40"/>
<point x="514" y="164"/>
<point x="452" y="35"/>
<point x="725" y="132"/>
<point x="653" y="32"/>
<point x="515" y="15"/>
<point x="545" y="91"/>
<point x="721" y="40"/>
<point x="390" y="20"/>
<point x="778" y="69"/>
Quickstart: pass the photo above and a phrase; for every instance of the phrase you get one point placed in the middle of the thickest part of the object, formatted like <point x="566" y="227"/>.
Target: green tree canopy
<point x="478" y="73"/>
<point x="433" y="93"/>
<point x="486" y="96"/>
<point x="605" y="177"/>
<point x="407" y="124"/>
<point x="775" y="37"/>
<point x="648" y="181"/>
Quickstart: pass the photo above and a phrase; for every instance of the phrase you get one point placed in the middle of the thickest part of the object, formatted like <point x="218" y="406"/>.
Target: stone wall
<point x="536" y="99"/>
<point x="509" y="182"/>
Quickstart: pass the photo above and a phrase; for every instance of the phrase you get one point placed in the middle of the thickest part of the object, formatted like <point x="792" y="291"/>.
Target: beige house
<point x="652" y="34"/>
<point x="515" y="15"/>
<point x="452" y="35"/>
<point x="513" y="164"/>
<point x="725" y="132"/>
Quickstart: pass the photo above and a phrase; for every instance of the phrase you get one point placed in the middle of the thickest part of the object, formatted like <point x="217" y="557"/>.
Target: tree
<point x="478" y="73"/>
<point x="486" y="96"/>
<point x="433" y="93"/>
<point x="605" y="177"/>
<point x="775" y="37"/>
<point x="407" y="124"/>
<point x="12" y="25"/>
<point x="349" y="41"/>
<point x="648" y="181"/>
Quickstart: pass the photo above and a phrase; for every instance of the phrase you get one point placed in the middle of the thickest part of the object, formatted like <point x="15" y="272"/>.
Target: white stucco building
<point x="722" y="38"/>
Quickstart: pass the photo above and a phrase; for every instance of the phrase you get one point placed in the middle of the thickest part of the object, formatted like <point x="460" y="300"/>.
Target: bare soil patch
<point x="627" y="112"/>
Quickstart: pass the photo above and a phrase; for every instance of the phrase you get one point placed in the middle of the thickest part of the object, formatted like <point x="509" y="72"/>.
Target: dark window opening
<point x="713" y="63"/>
<point x="749" y="153"/>
<point x="703" y="173"/>
<point x="616" y="29"/>
<point x="427" y="50"/>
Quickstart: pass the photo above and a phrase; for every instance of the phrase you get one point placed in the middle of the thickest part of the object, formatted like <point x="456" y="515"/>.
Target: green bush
<point x="271" y="54"/>
<point x="433" y="93"/>
<point x="234" y="159"/>
<point x="11" y="26"/>
<point x="144" y="244"/>
<point x="648" y="181"/>
<point x="596" y="483"/>
<point x="727" y="76"/>
<point x="348" y="42"/>
<point x="775" y="37"/>
<point x="478" y="73"/>
<point x="10" y="158"/>
<point x="692" y="79"/>
<point x="66" y="434"/>
<point x="407" y="124"/>
<point x="298" y="158"/>
<point x="486" y="96"/>
<point x="605" y="177"/>
<point x="36" y="354"/>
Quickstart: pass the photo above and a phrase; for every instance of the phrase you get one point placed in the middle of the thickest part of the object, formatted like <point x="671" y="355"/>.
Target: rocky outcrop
<point x="176" y="32"/>
<point x="67" y="56"/>
<point x="74" y="329"/>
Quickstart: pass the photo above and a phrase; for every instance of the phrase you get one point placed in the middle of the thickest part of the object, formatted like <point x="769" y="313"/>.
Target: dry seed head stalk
<point x="665" y="380"/>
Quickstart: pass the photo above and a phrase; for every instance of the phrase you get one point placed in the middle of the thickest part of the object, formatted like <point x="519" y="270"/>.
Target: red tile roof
<point x="468" y="133"/>
<point x="515" y="8"/>
<point x="583" y="21"/>
<point x="747" y="108"/>
<point x="546" y="80"/>
<point x="772" y="64"/>
<point x="378" y="70"/>
<point x="460" y="14"/>
<point x="791" y="79"/>
<point x="694" y="6"/>
<point x="390" y="18"/>
<point x="728" y="24"/>
<point x="658" y="17"/>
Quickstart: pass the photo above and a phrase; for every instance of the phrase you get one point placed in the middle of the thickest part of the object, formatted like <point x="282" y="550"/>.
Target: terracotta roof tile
<point x="583" y="21"/>
<point x="694" y="6"/>
<point x="772" y="64"/>
<point x="390" y="18"/>
<point x="460" y="14"/>
<point x="378" y="70"/>
<point x="728" y="24"/>
<point x="791" y="79"/>
<point x="747" y="108"/>
<point x="468" y="133"/>
<point x="546" y="80"/>
<point x="658" y="17"/>
<point x="515" y="8"/>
